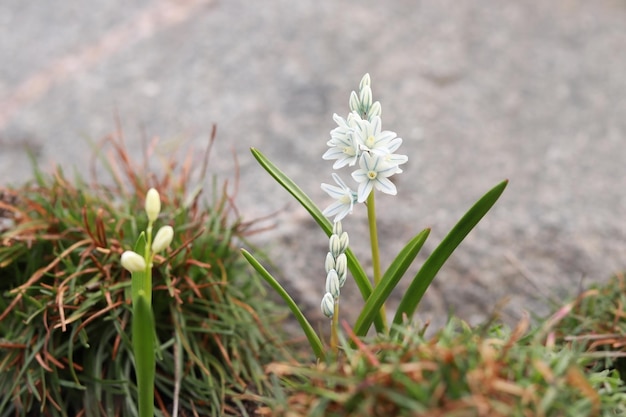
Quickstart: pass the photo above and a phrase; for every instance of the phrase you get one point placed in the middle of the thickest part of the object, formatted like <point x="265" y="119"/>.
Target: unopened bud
<point x="332" y="283"/>
<point x="162" y="239"/>
<point x="153" y="204"/>
<point x="341" y="266"/>
<point x="133" y="262"/>
<point x="330" y="262"/>
<point x="328" y="305"/>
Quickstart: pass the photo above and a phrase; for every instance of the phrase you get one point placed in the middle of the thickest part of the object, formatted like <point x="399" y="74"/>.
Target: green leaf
<point x="314" y="340"/>
<point x="138" y="278"/>
<point x="358" y="273"/>
<point x="143" y="350"/>
<point x="435" y="261"/>
<point x="388" y="282"/>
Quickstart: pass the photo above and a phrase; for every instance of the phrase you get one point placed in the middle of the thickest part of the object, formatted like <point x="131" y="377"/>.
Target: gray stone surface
<point x="532" y="91"/>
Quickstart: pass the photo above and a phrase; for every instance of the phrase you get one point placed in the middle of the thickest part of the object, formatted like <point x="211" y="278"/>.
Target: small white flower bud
<point x="337" y="228"/>
<point x="354" y="102"/>
<point x="341" y="266"/>
<point x="375" y="110"/>
<point x="162" y="239"/>
<point x="344" y="241"/>
<point x="365" y="81"/>
<point x="365" y="97"/>
<point x="334" y="245"/>
<point x="328" y="305"/>
<point x="153" y="204"/>
<point x="133" y="262"/>
<point x="332" y="283"/>
<point x="330" y="262"/>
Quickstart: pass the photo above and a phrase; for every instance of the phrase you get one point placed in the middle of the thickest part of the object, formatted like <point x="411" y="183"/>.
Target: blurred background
<point x="480" y="91"/>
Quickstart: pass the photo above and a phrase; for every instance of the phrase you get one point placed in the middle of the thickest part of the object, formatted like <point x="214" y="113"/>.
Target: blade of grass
<point x="358" y="273"/>
<point x="388" y="282"/>
<point x="435" y="261"/>
<point x="314" y="340"/>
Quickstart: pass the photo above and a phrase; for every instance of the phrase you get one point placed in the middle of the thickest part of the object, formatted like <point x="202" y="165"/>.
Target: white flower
<point x="133" y="262"/>
<point x="162" y="239"/>
<point x="332" y="283"/>
<point x="328" y="305"/>
<point x="344" y="147"/>
<point x="153" y="204"/>
<point x="344" y="199"/>
<point x="373" y="139"/>
<point x="373" y="173"/>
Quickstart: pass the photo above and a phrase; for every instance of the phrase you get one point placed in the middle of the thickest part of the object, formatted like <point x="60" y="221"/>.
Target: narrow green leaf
<point x="314" y="340"/>
<point x="388" y="282"/>
<point x="143" y="350"/>
<point x="435" y="261"/>
<point x="138" y="278"/>
<point x="358" y="273"/>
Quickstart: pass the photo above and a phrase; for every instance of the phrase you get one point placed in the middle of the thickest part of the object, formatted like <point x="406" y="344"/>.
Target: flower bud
<point x="365" y="81"/>
<point x="341" y="266"/>
<point x="337" y="227"/>
<point x="365" y="97"/>
<point x="334" y="245"/>
<point x="354" y="102"/>
<point x="343" y="242"/>
<point x="330" y="262"/>
<point x="375" y="110"/>
<point x="328" y="305"/>
<point x="162" y="239"/>
<point x="332" y="283"/>
<point x="133" y="262"/>
<point x="153" y="204"/>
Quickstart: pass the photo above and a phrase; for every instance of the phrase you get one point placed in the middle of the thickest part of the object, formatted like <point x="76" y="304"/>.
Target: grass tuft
<point x="65" y="300"/>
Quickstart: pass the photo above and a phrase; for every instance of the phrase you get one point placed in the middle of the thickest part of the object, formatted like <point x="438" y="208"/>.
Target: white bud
<point x="153" y="204"/>
<point x="133" y="262"/>
<point x="375" y="110"/>
<point x="332" y="283"/>
<point x="162" y="239"/>
<point x="337" y="227"/>
<point x="328" y="305"/>
<point x="330" y="262"/>
<point x="365" y="81"/>
<point x="344" y="241"/>
<point x="334" y="245"/>
<point x="365" y="97"/>
<point x="354" y="102"/>
<point x="341" y="266"/>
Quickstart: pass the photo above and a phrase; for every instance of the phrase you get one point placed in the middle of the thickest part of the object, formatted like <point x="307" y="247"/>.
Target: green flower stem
<point x="334" y="337"/>
<point x="371" y="217"/>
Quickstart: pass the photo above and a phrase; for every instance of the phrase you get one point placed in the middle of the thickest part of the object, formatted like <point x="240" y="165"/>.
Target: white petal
<point x="385" y="186"/>
<point x="333" y="191"/>
<point x="365" y="188"/>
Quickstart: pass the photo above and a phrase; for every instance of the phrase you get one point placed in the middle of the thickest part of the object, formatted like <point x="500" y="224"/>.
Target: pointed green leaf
<point x="388" y="282"/>
<point x="138" y="278"/>
<point x="314" y="340"/>
<point x="435" y="261"/>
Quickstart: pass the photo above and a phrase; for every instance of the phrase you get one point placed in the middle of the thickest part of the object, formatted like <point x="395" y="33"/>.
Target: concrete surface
<point x="532" y="91"/>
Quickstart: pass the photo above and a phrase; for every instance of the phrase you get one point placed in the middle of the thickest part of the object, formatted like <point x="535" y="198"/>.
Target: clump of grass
<point x="489" y="370"/>
<point x="65" y="299"/>
<point x="595" y="322"/>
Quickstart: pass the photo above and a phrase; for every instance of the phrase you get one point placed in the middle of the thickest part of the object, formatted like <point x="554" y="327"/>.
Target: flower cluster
<point x="359" y="139"/>
<point x="133" y="261"/>
<point x="336" y="268"/>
